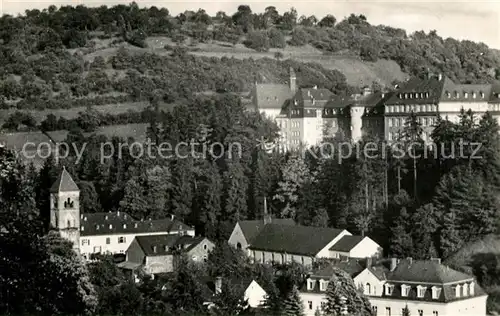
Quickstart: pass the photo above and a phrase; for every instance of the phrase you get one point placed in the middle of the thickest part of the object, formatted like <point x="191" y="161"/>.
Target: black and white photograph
<point x="249" y="158"/>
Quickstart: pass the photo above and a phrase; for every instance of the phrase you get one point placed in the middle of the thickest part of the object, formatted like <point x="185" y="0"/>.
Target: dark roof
<point x="346" y="243"/>
<point x="64" y="183"/>
<point x="425" y="271"/>
<point x="122" y="223"/>
<point x="457" y="92"/>
<point x="160" y="245"/>
<point x="272" y="96"/>
<point x="251" y="228"/>
<point x="299" y="240"/>
<point x="316" y="94"/>
<point x="350" y="265"/>
<point x="433" y="86"/>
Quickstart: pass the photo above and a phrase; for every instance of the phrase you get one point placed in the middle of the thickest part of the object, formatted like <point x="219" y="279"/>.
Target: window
<point x="457" y="290"/>
<point x="466" y="95"/>
<point x="420" y="312"/>
<point x="121" y="240"/>
<point x="388" y="289"/>
<point x="97" y="249"/>
<point x="108" y="240"/>
<point x="421" y="291"/>
<point x="465" y="287"/>
<point x="405" y="290"/>
<point x="323" y="285"/>
<point x="205" y="258"/>
<point x="310" y="284"/>
<point x="387" y="311"/>
<point x="374" y="310"/>
<point x="310" y="303"/>
<point x="85" y="242"/>
<point x="436" y="292"/>
<point x="368" y="289"/>
<point x="471" y="289"/>
<point x="435" y="313"/>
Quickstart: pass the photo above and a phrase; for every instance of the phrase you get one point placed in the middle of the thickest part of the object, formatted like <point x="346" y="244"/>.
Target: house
<point x="100" y="233"/>
<point x="247" y="288"/>
<point x="156" y="254"/>
<point x="244" y="231"/>
<point x="312" y="292"/>
<point x="426" y="287"/>
<point x="355" y="247"/>
<point x="302" y="244"/>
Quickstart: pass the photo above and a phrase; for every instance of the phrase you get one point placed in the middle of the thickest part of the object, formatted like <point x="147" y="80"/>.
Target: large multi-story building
<point x="306" y="116"/>
<point x="425" y="287"/>
<point x="94" y="233"/>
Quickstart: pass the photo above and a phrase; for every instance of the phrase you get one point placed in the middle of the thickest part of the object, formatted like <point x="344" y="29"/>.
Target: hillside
<point x="118" y="60"/>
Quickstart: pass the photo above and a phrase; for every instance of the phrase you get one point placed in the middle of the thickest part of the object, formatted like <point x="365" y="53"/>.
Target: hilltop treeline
<point x="71" y="27"/>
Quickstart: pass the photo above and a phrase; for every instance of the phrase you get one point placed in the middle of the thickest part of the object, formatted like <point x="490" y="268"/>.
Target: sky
<point x="476" y="20"/>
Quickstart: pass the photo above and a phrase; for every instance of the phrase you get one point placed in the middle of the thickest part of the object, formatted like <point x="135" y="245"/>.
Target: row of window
<point x="273" y="257"/>
<point x="121" y="240"/>
<point x="411" y="108"/>
<point x="456" y="94"/>
<point x="388" y="311"/>
<point x="394" y="136"/>
<point x="460" y="290"/>
<point x="400" y="121"/>
<point x="415" y="95"/>
<point x="323" y="284"/>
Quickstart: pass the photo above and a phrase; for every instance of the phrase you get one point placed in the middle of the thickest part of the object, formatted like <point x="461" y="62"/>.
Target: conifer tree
<point x="292" y="305"/>
<point x="450" y="240"/>
<point x="401" y="241"/>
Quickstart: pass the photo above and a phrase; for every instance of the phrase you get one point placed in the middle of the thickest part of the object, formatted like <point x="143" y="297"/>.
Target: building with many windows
<point x="426" y="287"/>
<point x="306" y="116"/>
<point x="94" y="233"/>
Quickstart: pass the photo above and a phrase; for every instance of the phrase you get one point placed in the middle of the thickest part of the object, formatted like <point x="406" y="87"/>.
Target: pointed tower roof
<point x="64" y="183"/>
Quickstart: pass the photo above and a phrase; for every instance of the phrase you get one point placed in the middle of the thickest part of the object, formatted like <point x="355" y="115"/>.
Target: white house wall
<point x="366" y="248"/>
<point x="87" y="243"/>
<point x="255" y="295"/>
<point x="237" y="236"/>
<point x="311" y="302"/>
<point x="325" y="252"/>
<point x="365" y="278"/>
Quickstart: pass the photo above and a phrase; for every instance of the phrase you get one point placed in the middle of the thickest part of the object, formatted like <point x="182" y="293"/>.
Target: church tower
<point x="65" y="208"/>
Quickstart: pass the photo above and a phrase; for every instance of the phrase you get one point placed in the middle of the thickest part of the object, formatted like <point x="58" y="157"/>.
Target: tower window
<point x="68" y="203"/>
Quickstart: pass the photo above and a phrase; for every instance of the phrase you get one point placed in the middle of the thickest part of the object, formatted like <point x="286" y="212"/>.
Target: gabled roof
<point x="272" y="96"/>
<point x="433" y="86"/>
<point x="64" y="183"/>
<point x="121" y="223"/>
<point x="346" y="243"/>
<point x="160" y="245"/>
<point x="251" y="228"/>
<point x="425" y="271"/>
<point x="464" y="92"/>
<point x="299" y="240"/>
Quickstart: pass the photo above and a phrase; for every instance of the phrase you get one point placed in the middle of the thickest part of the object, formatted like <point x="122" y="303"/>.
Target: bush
<point x="258" y="40"/>
<point x="276" y="38"/>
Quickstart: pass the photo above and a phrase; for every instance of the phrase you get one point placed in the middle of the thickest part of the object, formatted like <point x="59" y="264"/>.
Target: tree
<point x="278" y="55"/>
<point x="292" y="305"/>
<point x="230" y="300"/>
<point x="327" y="21"/>
<point x="342" y="295"/>
<point x="406" y="311"/>
<point x="425" y="225"/>
<point x="450" y="240"/>
<point x="401" y="241"/>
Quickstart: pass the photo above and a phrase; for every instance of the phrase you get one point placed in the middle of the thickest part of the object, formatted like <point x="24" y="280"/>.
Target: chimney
<point x="394" y="264"/>
<point x="218" y="285"/>
<point x="410" y="260"/>
<point x="293" y="80"/>
<point x="369" y="262"/>
<point x="267" y="217"/>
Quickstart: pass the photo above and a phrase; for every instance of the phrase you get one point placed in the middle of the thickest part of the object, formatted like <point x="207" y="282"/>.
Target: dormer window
<point x="110" y="226"/>
<point x="456" y="94"/>
<point x="473" y="95"/>
<point x="436" y="292"/>
<point x="310" y="284"/>
<point x="466" y="95"/>
<point x="81" y="228"/>
<point x="465" y="288"/>
<point x="448" y="94"/>
<point x="135" y="225"/>
<point x="481" y="94"/>
<point x="471" y="289"/>
<point x="323" y="285"/>
<point x="405" y="290"/>
<point x="388" y="289"/>
<point x="154" y="249"/>
<point x="427" y="94"/>
<point x="166" y="248"/>
<point x="124" y="226"/>
<point x="421" y="291"/>
<point x="457" y="290"/>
